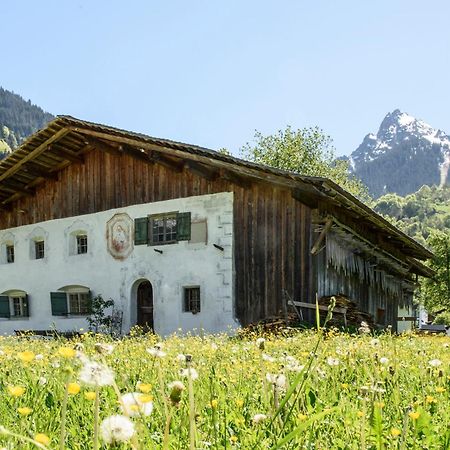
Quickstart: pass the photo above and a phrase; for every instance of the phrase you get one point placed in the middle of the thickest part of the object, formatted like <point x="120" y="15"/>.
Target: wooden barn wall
<point x="271" y="229"/>
<point x="368" y="298"/>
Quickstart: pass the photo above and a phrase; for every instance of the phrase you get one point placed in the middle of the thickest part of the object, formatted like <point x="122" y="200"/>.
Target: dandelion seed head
<point x="116" y="429"/>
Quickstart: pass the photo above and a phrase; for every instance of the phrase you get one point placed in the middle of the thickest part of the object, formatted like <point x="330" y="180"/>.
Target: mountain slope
<point x="405" y="154"/>
<point x="18" y="120"/>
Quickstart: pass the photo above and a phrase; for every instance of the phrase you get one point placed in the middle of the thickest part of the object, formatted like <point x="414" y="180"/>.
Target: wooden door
<point x="145" y="305"/>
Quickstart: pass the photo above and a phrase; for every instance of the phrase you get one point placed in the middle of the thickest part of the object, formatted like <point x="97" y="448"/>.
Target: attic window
<point x="10" y="253"/>
<point x="39" y="249"/>
<point x="166" y="228"/>
<point x="82" y="244"/>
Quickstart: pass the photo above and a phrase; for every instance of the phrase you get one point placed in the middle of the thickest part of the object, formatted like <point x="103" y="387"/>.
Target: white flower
<point x="42" y="381"/>
<point x="384" y="361"/>
<point x="39" y="357"/>
<point x="96" y="374"/>
<point x="116" y="429"/>
<point x="156" y="352"/>
<point x="435" y="362"/>
<point x="134" y="404"/>
<point x="332" y="361"/>
<point x="267" y="358"/>
<point x="374" y="342"/>
<point x="258" y="418"/>
<point x="177" y="385"/>
<point x="278" y="380"/>
<point x="189" y="372"/>
<point x="214" y="346"/>
<point x="181" y="358"/>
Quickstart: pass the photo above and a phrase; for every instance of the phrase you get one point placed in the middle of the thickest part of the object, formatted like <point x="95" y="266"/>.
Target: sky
<point x="212" y="72"/>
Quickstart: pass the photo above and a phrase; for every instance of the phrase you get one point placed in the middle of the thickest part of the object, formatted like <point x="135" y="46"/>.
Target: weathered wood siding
<point x="271" y="229"/>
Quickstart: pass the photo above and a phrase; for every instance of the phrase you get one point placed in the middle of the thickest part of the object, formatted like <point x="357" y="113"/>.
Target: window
<point x="10" y="253"/>
<point x="71" y="300"/>
<point x="380" y="318"/>
<point x="39" y="249"/>
<point x="82" y="244"/>
<point x="191" y="299"/>
<point x="14" y="304"/>
<point x="165" y="228"/>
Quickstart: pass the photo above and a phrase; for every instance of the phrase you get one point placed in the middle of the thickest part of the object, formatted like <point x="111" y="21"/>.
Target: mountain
<point x="404" y="155"/>
<point x="18" y="120"/>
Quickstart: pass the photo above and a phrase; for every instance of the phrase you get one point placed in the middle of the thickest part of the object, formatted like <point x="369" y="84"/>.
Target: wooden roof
<point x="65" y="140"/>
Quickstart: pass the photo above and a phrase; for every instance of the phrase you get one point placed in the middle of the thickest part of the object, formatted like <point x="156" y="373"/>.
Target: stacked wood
<point x="354" y="315"/>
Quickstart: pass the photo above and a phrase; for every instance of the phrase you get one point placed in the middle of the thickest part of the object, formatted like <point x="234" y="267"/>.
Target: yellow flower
<point x="214" y="403"/>
<point x="360" y="414"/>
<point x="144" y="387"/>
<point x="414" y="415"/>
<point x="145" y="398"/>
<point x="440" y="389"/>
<point x="73" y="388"/>
<point x="395" y="432"/>
<point x="239" y="403"/>
<point x="26" y="356"/>
<point x="379" y="405"/>
<point x="302" y="417"/>
<point x="344" y="386"/>
<point x="233" y="439"/>
<point x="430" y="399"/>
<point x="90" y="395"/>
<point x="42" y="438"/>
<point x="24" y="411"/>
<point x="66" y="352"/>
<point x="16" y="391"/>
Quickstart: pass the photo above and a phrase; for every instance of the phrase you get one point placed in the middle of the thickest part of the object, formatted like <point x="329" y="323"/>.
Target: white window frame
<point x="75" y="290"/>
<point x="17" y="294"/>
<point x="184" y="292"/>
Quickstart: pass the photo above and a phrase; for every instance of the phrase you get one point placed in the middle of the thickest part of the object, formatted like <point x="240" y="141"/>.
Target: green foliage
<point x="98" y="320"/>
<point x="442" y="318"/>
<point x="435" y="293"/>
<point x="307" y="151"/>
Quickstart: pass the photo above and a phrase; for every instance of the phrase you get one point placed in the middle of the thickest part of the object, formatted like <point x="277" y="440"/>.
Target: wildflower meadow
<point x="313" y="389"/>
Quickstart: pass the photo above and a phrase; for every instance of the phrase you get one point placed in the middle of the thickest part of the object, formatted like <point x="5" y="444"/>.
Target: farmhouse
<point x="182" y="237"/>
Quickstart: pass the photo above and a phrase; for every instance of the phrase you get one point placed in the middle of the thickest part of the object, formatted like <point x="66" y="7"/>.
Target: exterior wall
<point x="272" y="230"/>
<point x="180" y="264"/>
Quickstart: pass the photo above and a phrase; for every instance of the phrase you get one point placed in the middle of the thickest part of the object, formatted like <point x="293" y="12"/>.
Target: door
<point x="145" y="305"/>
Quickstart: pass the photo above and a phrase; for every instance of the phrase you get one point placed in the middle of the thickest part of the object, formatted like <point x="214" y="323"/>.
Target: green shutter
<point x="59" y="303"/>
<point x="90" y="303"/>
<point x="141" y="231"/>
<point x="4" y="306"/>
<point x="184" y="226"/>
<point x="26" y="308"/>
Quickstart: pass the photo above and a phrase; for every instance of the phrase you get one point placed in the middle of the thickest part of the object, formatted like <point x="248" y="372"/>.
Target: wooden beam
<point x="35" y="171"/>
<point x="66" y="154"/>
<point x="14" y="187"/>
<point x="176" y="166"/>
<point x="36" y="152"/>
<point x="323" y="233"/>
<point x="202" y="170"/>
<point x="307" y="197"/>
<point x="236" y="179"/>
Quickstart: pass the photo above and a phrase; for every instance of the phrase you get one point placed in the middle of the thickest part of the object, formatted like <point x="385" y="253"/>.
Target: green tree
<point x="435" y="292"/>
<point x="307" y="151"/>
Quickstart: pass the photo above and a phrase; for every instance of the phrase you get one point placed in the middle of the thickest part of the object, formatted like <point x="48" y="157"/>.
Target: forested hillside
<point x="18" y="120"/>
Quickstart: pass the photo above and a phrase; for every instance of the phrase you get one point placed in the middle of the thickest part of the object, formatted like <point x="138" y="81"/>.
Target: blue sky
<point x="211" y="72"/>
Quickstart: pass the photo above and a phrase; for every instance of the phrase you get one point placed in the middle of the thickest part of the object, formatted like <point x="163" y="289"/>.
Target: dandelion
<point x="233" y="439"/>
<point x="214" y="403"/>
<point x="144" y="387"/>
<point x="395" y="432"/>
<point x="258" y="418"/>
<point x="73" y="388"/>
<point x="26" y="356"/>
<point x="116" y="429"/>
<point x="39" y="357"/>
<point x="66" y="352"/>
<point x="260" y="343"/>
<point x="332" y="361"/>
<point x="239" y="403"/>
<point x="267" y="358"/>
<point x="24" y="411"/>
<point x="414" y="415"/>
<point x="104" y="349"/>
<point x="430" y="399"/>
<point x="90" y="395"/>
<point x="435" y="362"/>
<point x="185" y="373"/>
<point x="302" y="417"/>
<point x="42" y="381"/>
<point x="278" y="380"/>
<point x="96" y="374"/>
<point x="375" y="342"/>
<point x="440" y="389"/>
<point x="176" y="388"/>
<point x="42" y="439"/>
<point x="16" y="391"/>
<point x="181" y="358"/>
<point x="384" y="361"/>
<point x="156" y="351"/>
<point x="364" y="328"/>
<point x="132" y="404"/>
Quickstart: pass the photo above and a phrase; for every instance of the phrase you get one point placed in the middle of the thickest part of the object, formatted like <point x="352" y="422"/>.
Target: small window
<point x="79" y="303"/>
<point x="14" y="304"/>
<point x="191" y="299"/>
<point x="39" y="249"/>
<point x="10" y="254"/>
<point x="82" y="244"/>
<point x="18" y="306"/>
<point x="163" y="229"/>
<point x="71" y="300"/>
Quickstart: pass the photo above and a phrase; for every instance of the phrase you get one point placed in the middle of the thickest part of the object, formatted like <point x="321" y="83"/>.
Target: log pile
<point x="354" y="315"/>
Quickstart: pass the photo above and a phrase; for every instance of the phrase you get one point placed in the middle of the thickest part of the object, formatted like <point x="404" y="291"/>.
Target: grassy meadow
<point x="305" y="389"/>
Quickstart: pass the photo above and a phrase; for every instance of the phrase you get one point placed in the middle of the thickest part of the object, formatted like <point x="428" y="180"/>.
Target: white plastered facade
<point x="181" y="264"/>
